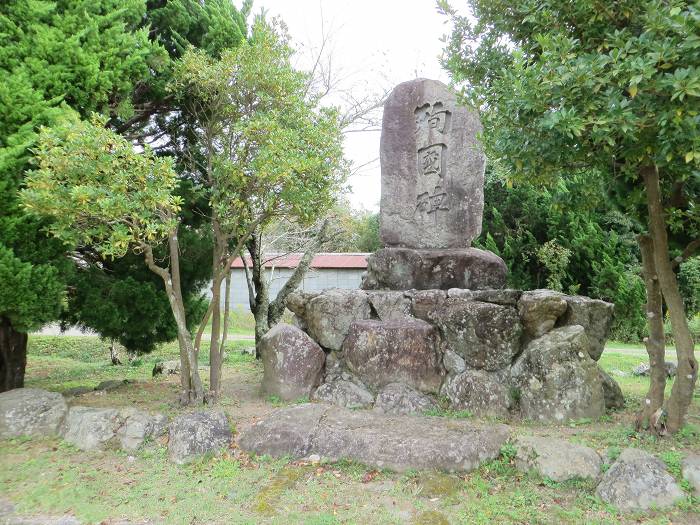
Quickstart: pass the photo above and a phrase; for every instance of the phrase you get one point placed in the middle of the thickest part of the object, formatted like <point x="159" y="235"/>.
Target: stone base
<point x="471" y="349"/>
<point x="406" y="269"/>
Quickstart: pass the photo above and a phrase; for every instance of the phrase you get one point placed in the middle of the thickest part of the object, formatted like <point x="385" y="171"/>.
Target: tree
<point x="604" y="262"/>
<point x="99" y="192"/>
<point x="265" y="150"/>
<point x="598" y="87"/>
<point x="87" y="55"/>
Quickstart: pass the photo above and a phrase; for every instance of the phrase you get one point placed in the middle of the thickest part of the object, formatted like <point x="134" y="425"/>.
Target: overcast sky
<point x="375" y="44"/>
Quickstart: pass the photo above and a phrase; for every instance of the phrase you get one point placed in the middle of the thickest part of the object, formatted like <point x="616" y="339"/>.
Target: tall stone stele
<point x="432" y="195"/>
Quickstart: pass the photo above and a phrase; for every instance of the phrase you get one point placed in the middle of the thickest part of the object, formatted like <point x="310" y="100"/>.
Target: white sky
<point x="374" y="44"/>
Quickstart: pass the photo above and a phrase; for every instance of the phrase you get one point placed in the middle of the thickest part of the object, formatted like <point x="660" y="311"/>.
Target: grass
<point x="50" y="476"/>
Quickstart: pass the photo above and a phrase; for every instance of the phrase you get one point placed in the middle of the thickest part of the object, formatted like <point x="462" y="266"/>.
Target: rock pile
<point x="492" y="352"/>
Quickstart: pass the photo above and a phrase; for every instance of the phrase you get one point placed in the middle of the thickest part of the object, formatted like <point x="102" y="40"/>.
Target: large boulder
<point x="400" y="399"/>
<point x="556" y="459"/>
<point x="486" y="335"/>
<point x="556" y="378"/>
<point x="198" y="433"/>
<point x="399" y="351"/>
<point x="328" y="315"/>
<point x="292" y="362"/>
<point x="406" y="269"/>
<point x="480" y="392"/>
<point x="30" y="412"/>
<point x="638" y="481"/>
<point x="344" y="393"/>
<point x="594" y="315"/>
<point x="612" y="393"/>
<point x="379" y="440"/>
<point x="90" y="428"/>
<point x="539" y="311"/>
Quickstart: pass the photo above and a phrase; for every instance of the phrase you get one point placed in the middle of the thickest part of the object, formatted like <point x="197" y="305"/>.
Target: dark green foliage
<point x="211" y="26"/>
<point x="85" y="54"/>
<point x="603" y="260"/>
<point x="689" y="282"/>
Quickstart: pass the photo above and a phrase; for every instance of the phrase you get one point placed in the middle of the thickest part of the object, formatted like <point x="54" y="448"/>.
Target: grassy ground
<point x="50" y="476"/>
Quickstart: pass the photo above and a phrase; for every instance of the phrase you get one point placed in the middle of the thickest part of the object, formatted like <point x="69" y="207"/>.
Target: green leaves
<point x="98" y="190"/>
<point x="271" y="151"/>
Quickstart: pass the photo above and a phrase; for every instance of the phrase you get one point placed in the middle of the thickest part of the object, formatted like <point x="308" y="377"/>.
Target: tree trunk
<point x="114" y="353"/>
<point x="649" y="417"/>
<point x="13" y="356"/>
<point x="682" y="391"/>
<point x="227" y="314"/>
<point x="191" y="384"/>
<point x="214" y="355"/>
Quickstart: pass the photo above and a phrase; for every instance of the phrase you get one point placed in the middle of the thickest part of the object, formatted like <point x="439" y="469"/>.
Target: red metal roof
<point x="321" y="260"/>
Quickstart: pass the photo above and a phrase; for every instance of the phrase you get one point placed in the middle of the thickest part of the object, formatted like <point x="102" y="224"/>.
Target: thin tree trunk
<point x="227" y="314"/>
<point x="114" y="353"/>
<point x="13" y="356"/>
<point x="682" y="392"/>
<point x="214" y="355"/>
<point x="649" y="417"/>
<point x="190" y="382"/>
<point x="276" y="308"/>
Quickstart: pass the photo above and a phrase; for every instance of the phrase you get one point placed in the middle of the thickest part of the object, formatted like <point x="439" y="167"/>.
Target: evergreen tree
<point x="87" y="55"/>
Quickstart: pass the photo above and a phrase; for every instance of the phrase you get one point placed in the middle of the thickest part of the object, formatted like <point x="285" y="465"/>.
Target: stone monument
<point x="432" y="194"/>
<point x="433" y="323"/>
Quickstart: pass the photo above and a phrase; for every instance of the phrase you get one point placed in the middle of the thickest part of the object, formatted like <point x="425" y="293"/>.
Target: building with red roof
<point x="328" y="270"/>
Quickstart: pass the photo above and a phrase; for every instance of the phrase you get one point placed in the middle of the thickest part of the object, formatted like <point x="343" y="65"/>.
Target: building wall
<point x="314" y="281"/>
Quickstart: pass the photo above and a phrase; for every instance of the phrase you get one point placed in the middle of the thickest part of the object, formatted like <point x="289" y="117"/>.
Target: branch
<point x="278" y="305"/>
<point x="686" y="254"/>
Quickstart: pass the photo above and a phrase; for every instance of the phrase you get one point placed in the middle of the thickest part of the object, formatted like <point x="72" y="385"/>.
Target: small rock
<point x="30" y="412"/>
<point x="314" y="458"/>
<point x="486" y="335"/>
<point x="691" y="472"/>
<point x="614" y="398"/>
<point x="77" y="391"/>
<point x="390" y="305"/>
<point x="638" y="481"/>
<point x="166" y="367"/>
<point x="197" y="433"/>
<point x="643" y="369"/>
<point x="344" y="393"/>
<point x="556" y="459"/>
<point x="397" y="398"/>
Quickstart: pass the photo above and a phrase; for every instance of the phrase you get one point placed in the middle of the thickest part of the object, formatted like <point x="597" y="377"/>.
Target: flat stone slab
<point x="398" y="443"/>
